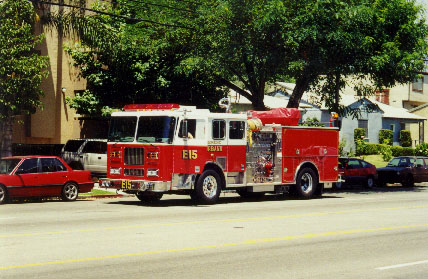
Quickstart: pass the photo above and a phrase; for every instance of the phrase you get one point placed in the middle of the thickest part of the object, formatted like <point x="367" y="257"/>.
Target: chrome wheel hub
<point x="70" y="191"/>
<point x="306" y="183"/>
<point x="209" y="186"/>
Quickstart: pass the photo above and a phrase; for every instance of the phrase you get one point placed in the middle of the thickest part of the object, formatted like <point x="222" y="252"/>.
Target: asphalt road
<point x="348" y="234"/>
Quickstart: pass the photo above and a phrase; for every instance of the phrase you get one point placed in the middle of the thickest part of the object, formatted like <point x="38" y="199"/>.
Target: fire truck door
<point x="218" y="146"/>
<point x="236" y="145"/>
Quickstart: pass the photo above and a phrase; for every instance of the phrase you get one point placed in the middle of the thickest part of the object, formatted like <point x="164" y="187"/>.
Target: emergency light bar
<point x="151" y="107"/>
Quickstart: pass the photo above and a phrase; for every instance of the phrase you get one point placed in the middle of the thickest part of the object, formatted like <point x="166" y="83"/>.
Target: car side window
<point x="420" y="162"/>
<point x="219" y="129"/>
<point x="365" y="164"/>
<point x="28" y="166"/>
<point x="97" y="147"/>
<point x="191" y="128"/>
<point x="236" y="129"/>
<point x="52" y="165"/>
<point x="353" y="164"/>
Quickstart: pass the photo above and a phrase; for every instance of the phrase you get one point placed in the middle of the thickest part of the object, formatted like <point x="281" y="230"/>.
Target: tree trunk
<point x="6" y="137"/>
<point x="302" y="85"/>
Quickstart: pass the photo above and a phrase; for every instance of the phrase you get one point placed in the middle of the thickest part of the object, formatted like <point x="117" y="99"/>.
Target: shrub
<point x="421" y="149"/>
<point x="386" y="152"/>
<point x="312" y="122"/>
<point x="402" y="151"/>
<point x="386" y="136"/>
<point x="372" y="149"/>
<point x="359" y="134"/>
<point x="405" y="138"/>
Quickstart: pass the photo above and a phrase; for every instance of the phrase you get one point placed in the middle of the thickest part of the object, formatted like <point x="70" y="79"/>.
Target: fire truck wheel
<point x="149" y="196"/>
<point x="208" y="187"/>
<point x="306" y="183"/>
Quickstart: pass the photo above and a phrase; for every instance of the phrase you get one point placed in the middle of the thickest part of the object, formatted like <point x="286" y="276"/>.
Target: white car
<point x="86" y="154"/>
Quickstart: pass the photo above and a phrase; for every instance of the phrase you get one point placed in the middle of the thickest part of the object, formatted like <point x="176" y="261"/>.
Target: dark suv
<point x="405" y="170"/>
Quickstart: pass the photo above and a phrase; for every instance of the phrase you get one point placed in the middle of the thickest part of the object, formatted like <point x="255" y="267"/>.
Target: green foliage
<point x="386" y="152"/>
<point x="312" y="122"/>
<point x="402" y="151"/>
<point x="421" y="149"/>
<point x="21" y="68"/>
<point x="386" y="136"/>
<point x="359" y="134"/>
<point x="405" y="138"/>
<point x="193" y="50"/>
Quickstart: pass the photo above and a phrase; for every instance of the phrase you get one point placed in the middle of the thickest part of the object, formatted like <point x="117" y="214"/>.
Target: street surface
<point x="381" y="233"/>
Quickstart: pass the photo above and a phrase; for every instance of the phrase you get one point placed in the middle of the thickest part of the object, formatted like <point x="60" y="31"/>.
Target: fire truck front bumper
<point x="134" y="186"/>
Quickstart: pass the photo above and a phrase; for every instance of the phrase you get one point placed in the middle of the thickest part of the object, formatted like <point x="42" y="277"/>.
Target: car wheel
<point x="70" y="191"/>
<point x="306" y="183"/>
<point x="408" y="181"/>
<point x="208" y="187"/>
<point x="370" y="182"/>
<point x="250" y="195"/>
<point x="3" y="194"/>
<point x="149" y="196"/>
<point x="338" y="185"/>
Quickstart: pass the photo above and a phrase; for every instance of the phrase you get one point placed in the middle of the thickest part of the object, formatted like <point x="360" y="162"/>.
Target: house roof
<point x="310" y="100"/>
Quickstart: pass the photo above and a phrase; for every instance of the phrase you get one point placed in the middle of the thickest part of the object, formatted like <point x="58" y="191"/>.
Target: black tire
<point x="250" y="195"/>
<point x="370" y="182"/>
<point x="306" y="183"/>
<point x="69" y="192"/>
<point x="3" y="194"/>
<point x="408" y="181"/>
<point x="149" y="197"/>
<point x="208" y="187"/>
<point x="338" y="185"/>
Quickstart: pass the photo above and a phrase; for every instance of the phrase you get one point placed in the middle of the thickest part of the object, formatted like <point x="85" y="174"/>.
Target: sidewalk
<point x="114" y="193"/>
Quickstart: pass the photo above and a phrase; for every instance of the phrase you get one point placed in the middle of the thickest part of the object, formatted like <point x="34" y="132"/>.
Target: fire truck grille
<point x="134" y="156"/>
<point x="134" y="172"/>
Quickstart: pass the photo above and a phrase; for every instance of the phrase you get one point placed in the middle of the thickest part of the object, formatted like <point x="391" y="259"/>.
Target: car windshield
<point x="401" y="162"/>
<point x="73" y="145"/>
<point x="122" y="129"/>
<point x="156" y="129"/>
<point x="7" y="165"/>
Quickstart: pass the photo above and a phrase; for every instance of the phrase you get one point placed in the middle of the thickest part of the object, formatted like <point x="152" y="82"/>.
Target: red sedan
<point x="41" y="176"/>
<point x="356" y="171"/>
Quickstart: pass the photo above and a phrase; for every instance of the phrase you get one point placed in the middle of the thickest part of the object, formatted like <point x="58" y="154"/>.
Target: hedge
<point x="376" y="148"/>
<point x="405" y="138"/>
<point x="385" y="136"/>
<point x="359" y="134"/>
<point x="402" y="151"/>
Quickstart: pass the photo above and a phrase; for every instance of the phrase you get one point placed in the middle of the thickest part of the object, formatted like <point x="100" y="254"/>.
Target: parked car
<point x="41" y="176"/>
<point x="355" y="171"/>
<point x="405" y="170"/>
<point x="86" y="154"/>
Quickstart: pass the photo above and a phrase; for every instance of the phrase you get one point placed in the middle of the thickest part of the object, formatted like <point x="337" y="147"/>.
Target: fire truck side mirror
<point x="183" y="129"/>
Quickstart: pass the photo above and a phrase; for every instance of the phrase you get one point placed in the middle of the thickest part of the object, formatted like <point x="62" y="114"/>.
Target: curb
<point x="100" y="196"/>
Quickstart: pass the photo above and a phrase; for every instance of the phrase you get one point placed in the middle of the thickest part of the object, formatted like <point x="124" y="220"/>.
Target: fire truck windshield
<point x="122" y="129"/>
<point x="156" y="129"/>
<point x="150" y="129"/>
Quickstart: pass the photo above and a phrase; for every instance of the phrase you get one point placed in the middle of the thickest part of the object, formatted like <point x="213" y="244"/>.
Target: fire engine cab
<point x="168" y="148"/>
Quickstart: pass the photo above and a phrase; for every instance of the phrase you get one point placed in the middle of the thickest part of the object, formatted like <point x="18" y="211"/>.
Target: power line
<point x="129" y="19"/>
<point x="162" y="6"/>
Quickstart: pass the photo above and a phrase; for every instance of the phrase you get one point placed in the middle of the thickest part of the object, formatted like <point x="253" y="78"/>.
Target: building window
<point x="382" y="96"/>
<point x="392" y="127"/>
<point x="418" y="85"/>
<point x="364" y="124"/>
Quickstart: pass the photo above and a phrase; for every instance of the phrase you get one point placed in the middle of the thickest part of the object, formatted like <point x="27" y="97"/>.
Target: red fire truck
<point x="168" y="148"/>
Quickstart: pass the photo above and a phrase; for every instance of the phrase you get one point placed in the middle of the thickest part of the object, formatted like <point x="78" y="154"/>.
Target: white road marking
<point x="402" y="265"/>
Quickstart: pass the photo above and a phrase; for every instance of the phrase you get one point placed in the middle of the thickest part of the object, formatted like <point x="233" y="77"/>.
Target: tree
<point x="21" y="69"/>
<point x="246" y="44"/>
<point x="126" y="62"/>
<point x="317" y="43"/>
